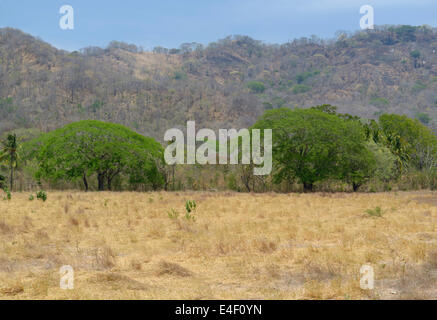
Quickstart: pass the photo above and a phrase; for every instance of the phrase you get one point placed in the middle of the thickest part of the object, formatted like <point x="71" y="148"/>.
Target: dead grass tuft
<point x="172" y="269"/>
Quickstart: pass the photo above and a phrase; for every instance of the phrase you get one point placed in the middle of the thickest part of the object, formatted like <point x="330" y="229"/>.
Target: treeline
<point x="315" y="149"/>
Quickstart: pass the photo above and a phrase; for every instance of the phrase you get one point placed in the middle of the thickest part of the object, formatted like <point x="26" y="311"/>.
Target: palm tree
<point x="9" y="152"/>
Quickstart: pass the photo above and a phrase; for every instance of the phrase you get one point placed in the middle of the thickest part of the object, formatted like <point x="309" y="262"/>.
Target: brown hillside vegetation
<point x="239" y="246"/>
<point x="228" y="83"/>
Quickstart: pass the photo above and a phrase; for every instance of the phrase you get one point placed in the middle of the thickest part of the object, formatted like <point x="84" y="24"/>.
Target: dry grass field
<point x="240" y="246"/>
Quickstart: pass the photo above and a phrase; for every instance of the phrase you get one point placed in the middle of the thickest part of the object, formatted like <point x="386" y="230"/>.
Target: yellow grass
<point x="241" y="246"/>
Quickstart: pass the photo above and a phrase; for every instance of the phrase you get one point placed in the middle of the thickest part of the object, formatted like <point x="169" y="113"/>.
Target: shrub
<point x="415" y="54"/>
<point x="190" y="207"/>
<point x="377" y="212"/>
<point x="301" y="77"/>
<point x="256" y="87"/>
<point x="173" y="214"/>
<point x="423" y="117"/>
<point x="42" y="195"/>
<point x="179" y="75"/>
<point x="301" y="88"/>
<point x="379" y="102"/>
<point x="31" y="197"/>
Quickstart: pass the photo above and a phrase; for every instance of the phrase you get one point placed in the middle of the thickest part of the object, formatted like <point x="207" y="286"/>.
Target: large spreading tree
<point x="91" y="147"/>
<point x="312" y="145"/>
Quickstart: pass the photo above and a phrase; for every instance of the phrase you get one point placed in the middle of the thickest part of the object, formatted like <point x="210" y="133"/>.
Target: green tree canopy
<point x="88" y="147"/>
<point x="413" y="143"/>
<point x="312" y="145"/>
<point x="256" y="86"/>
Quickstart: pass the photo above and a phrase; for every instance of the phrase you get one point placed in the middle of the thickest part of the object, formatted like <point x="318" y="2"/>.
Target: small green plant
<point x="190" y="207"/>
<point x="42" y="195"/>
<point x="173" y="214"/>
<point x="31" y="197"/>
<point x="8" y="195"/>
<point x="190" y="217"/>
<point x="377" y="212"/>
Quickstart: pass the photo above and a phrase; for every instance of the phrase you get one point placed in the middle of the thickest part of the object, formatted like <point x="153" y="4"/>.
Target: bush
<point x="173" y="214"/>
<point x="379" y="102"/>
<point x="42" y="195"/>
<point x="256" y="87"/>
<point x="377" y="212"/>
<point x="190" y="207"/>
<point x="301" y="88"/>
<point x="423" y="117"/>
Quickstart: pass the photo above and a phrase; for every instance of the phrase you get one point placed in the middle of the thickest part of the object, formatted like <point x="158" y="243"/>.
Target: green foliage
<point x="301" y="88"/>
<point x="31" y="197"/>
<point x="423" y="117"/>
<point x="190" y="217"/>
<point x="405" y="33"/>
<point x="415" y="54"/>
<point x="418" y="86"/>
<point x="267" y="105"/>
<point x="301" y="77"/>
<point x="42" y="195"/>
<point x="256" y="87"/>
<point x="409" y="140"/>
<point x="232" y="182"/>
<point x="326" y="108"/>
<point x="379" y="102"/>
<point x="278" y="102"/>
<point x="385" y="162"/>
<point x="88" y="147"/>
<point x="190" y="206"/>
<point x="173" y="214"/>
<point x="97" y="105"/>
<point x="358" y="166"/>
<point x="10" y="154"/>
<point x="377" y="212"/>
<point x="179" y="75"/>
<point x="312" y="145"/>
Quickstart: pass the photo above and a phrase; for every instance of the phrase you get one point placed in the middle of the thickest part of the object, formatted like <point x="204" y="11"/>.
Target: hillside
<point x="229" y="83"/>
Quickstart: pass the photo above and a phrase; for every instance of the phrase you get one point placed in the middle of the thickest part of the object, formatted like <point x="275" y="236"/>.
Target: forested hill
<point x="227" y="84"/>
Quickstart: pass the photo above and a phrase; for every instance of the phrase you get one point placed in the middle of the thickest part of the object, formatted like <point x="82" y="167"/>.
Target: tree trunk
<point x="85" y="182"/>
<point x="101" y="181"/>
<point x="308" y="186"/>
<point x="12" y="177"/>
<point x="109" y="183"/>
<point x="355" y="186"/>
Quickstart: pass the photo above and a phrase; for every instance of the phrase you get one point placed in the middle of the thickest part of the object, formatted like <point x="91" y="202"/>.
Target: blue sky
<point x="169" y="23"/>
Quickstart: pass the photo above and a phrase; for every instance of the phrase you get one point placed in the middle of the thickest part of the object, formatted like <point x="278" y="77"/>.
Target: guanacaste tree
<point x="312" y="145"/>
<point x="90" y="147"/>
